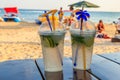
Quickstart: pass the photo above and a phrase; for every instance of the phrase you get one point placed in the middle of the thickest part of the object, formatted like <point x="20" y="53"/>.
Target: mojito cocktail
<point x="52" y="49"/>
<point x="82" y="48"/>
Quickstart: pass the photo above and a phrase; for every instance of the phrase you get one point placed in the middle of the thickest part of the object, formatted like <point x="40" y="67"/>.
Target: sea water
<point x="31" y="14"/>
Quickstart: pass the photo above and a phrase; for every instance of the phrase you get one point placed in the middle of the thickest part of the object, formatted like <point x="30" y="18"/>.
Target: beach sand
<point x="21" y="41"/>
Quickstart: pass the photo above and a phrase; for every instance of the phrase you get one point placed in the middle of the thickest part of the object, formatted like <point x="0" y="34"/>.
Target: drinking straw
<point x="84" y="57"/>
<point x="76" y="54"/>
<point x="53" y="20"/>
<point x="53" y="23"/>
<point x="59" y="53"/>
<point x="83" y="15"/>
<point x="48" y="20"/>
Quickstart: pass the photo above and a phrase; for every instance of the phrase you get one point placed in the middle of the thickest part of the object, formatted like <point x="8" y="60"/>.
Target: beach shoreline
<point x="21" y="41"/>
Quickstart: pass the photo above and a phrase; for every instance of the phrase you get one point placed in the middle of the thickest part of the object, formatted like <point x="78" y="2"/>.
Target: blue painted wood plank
<point x="115" y="57"/>
<point x="19" y="70"/>
<point x="104" y="68"/>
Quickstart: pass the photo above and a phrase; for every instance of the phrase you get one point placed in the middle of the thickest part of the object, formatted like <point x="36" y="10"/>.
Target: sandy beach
<point x="21" y="41"/>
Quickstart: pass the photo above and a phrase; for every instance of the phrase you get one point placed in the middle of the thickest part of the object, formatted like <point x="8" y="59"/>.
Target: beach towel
<point x="101" y="35"/>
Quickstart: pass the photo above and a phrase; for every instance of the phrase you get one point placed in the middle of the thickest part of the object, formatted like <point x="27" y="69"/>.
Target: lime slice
<point x="51" y="41"/>
<point x="48" y="41"/>
<point x="45" y="41"/>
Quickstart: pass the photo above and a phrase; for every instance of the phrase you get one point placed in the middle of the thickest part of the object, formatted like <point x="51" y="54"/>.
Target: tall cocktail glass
<point x="52" y="43"/>
<point x="82" y="45"/>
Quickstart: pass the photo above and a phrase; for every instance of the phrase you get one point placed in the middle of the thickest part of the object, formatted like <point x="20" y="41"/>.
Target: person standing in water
<point x="118" y="25"/>
<point x="60" y="13"/>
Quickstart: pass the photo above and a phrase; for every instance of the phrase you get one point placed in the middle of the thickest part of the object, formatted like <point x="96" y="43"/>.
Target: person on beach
<point x="118" y="25"/>
<point x="100" y="26"/>
<point x="101" y="30"/>
<point x="69" y="20"/>
<point x="60" y="13"/>
<point x="71" y="8"/>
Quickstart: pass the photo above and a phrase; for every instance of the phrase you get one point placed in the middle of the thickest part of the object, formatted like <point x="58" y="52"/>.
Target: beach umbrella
<point x="82" y="14"/>
<point x="84" y="4"/>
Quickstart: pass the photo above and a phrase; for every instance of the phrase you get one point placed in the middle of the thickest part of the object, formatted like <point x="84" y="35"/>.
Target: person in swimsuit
<point x="60" y="13"/>
<point x="118" y="25"/>
<point x="100" y="26"/>
<point x="101" y="30"/>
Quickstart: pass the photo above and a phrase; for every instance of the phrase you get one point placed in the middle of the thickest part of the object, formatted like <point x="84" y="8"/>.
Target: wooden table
<point x="103" y="67"/>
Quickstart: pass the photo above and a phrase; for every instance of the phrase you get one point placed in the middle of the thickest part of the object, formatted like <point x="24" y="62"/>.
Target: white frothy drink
<point x="52" y="49"/>
<point x="82" y="48"/>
